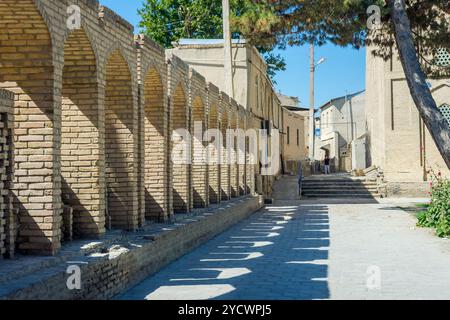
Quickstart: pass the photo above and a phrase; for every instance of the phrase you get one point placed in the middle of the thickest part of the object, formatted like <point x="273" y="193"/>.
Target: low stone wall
<point x="111" y="267"/>
<point x="405" y="189"/>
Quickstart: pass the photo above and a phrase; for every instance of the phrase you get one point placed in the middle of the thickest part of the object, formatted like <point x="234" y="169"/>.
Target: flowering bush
<point x="438" y="214"/>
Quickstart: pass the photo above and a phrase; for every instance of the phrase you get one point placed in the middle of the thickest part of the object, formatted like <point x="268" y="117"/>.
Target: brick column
<point x="225" y="164"/>
<point x="121" y="144"/>
<point x="234" y="167"/>
<point x="213" y="158"/>
<point x="8" y="223"/>
<point x="181" y="171"/>
<point x="199" y="166"/>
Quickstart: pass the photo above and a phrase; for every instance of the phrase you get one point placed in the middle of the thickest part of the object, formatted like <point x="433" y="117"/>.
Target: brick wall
<point x="241" y="152"/>
<point x="95" y="109"/>
<point x="155" y="133"/>
<point x="8" y="223"/>
<point x="234" y="168"/>
<point x="213" y="151"/>
<point x="225" y="166"/>
<point x="199" y="100"/>
<point x="180" y="119"/>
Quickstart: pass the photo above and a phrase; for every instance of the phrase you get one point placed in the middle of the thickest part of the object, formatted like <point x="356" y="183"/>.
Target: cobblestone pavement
<point x="312" y="250"/>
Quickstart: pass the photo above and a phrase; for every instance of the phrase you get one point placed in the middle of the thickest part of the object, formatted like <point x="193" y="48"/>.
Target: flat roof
<point x="349" y="96"/>
<point x="187" y="42"/>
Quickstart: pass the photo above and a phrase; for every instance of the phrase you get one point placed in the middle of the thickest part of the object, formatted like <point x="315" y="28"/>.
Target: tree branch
<point x="418" y="87"/>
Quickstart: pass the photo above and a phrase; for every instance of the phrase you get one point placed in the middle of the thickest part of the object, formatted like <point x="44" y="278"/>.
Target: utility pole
<point x="311" y="103"/>
<point x="228" y="58"/>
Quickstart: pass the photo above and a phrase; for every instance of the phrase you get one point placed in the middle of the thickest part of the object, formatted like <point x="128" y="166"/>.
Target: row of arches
<point x="91" y="142"/>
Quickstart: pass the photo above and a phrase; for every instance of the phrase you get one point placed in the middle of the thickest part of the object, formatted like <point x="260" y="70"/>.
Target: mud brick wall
<point x="241" y="151"/>
<point x="8" y="220"/>
<point x="198" y="101"/>
<point x="225" y="118"/>
<point x="214" y="152"/>
<point x="180" y="118"/>
<point x="234" y="168"/>
<point x="94" y="112"/>
<point x="252" y="158"/>
<point x="155" y="135"/>
<point x="60" y="77"/>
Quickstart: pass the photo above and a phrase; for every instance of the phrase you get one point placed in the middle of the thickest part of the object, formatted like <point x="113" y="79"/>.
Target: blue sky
<point x="343" y="72"/>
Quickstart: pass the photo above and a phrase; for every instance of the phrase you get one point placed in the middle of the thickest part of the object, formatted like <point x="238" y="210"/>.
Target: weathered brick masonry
<point x="7" y="217"/>
<point x="180" y="119"/>
<point x="241" y="152"/>
<point x="154" y="113"/>
<point x="94" y="112"/>
<point x="225" y="154"/>
<point x="198" y="97"/>
<point x="214" y="151"/>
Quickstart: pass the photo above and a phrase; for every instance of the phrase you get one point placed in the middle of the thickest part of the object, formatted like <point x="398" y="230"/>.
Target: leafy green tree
<point x="166" y="21"/>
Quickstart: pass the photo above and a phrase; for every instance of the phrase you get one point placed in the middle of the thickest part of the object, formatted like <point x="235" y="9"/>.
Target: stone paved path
<point x="312" y="250"/>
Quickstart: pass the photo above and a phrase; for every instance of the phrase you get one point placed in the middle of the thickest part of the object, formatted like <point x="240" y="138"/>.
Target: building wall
<point x="8" y="219"/>
<point x="154" y="130"/>
<point x="341" y="122"/>
<point x="398" y="141"/>
<point x="198" y="99"/>
<point x="208" y="61"/>
<point x="294" y="149"/>
<point x="214" y="151"/>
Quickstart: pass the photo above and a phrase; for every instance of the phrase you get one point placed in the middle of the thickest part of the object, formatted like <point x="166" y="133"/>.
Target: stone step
<point x="336" y="186"/>
<point x="339" y="196"/>
<point x="338" y="191"/>
<point x="339" y="182"/>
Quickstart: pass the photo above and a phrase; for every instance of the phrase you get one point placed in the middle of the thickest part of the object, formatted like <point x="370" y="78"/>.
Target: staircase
<point x="338" y="186"/>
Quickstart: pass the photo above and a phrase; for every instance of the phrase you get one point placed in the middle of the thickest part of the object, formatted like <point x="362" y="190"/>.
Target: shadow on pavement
<point x="280" y="253"/>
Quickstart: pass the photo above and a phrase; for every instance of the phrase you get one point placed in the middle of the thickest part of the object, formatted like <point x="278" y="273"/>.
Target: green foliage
<point x="344" y="22"/>
<point x="166" y="21"/>
<point x="438" y="214"/>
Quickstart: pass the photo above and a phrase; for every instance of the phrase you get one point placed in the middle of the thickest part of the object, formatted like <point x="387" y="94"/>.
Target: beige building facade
<point x="399" y="144"/>
<point x="341" y="123"/>
<point x="295" y="133"/>
<point x="294" y="147"/>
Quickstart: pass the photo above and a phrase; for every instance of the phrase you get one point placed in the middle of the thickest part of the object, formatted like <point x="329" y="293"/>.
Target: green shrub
<point x="438" y="214"/>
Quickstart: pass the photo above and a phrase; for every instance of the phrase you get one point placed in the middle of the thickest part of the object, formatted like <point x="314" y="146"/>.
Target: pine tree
<point x="419" y="28"/>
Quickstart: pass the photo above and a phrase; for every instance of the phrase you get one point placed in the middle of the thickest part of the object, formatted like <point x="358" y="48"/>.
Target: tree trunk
<point x="420" y="92"/>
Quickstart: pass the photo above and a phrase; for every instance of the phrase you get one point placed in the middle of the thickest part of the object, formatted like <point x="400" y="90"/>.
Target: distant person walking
<point x="326" y="163"/>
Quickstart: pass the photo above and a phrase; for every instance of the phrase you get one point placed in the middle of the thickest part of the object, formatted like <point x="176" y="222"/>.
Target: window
<point x="442" y="57"/>
<point x="298" y="137"/>
<point x="288" y="135"/>
<point x="445" y="110"/>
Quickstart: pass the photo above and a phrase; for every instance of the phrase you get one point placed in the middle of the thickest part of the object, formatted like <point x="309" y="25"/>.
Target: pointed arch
<point x="225" y="165"/>
<point x="121" y="180"/>
<point x="234" y="169"/>
<point x="214" y="167"/>
<point x="154" y="145"/>
<point x="181" y="171"/>
<point x="26" y="68"/>
<point x="80" y="150"/>
<point x="242" y="154"/>
<point x="199" y="167"/>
